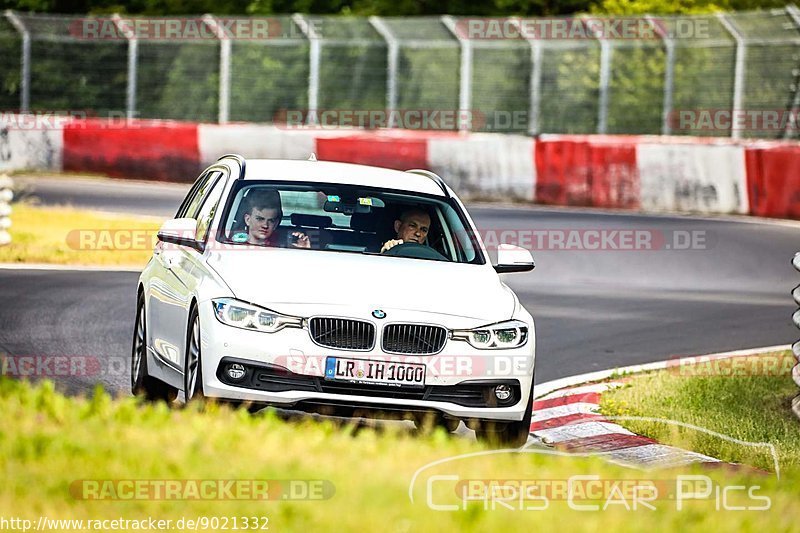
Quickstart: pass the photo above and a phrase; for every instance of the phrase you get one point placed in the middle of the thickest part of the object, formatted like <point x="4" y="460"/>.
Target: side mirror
<point x="180" y="231"/>
<point x="512" y="258"/>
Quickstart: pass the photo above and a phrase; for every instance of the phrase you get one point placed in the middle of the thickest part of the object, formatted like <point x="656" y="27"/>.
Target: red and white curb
<point x="570" y="421"/>
<point x="566" y="416"/>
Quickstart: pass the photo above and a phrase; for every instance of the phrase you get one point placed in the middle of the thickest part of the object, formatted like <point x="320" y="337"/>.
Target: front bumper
<point x="286" y="369"/>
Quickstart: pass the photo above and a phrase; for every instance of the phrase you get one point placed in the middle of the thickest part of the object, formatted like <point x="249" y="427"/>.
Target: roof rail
<point x="239" y="159"/>
<point x="432" y="176"/>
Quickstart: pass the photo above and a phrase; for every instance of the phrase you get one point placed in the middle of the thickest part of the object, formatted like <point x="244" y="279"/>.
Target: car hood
<point x="310" y="282"/>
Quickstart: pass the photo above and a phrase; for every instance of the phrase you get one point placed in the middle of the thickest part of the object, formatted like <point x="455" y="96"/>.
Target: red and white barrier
<point x="698" y="178"/>
<point x="773" y="177"/>
<point x="257" y="141"/>
<point x="30" y="144"/>
<point x="380" y="149"/>
<point x="485" y="165"/>
<point x="157" y="150"/>
<point x="674" y="174"/>
<point x="587" y="170"/>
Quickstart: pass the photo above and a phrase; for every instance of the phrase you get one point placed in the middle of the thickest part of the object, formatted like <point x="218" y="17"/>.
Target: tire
<point x="512" y="434"/>
<point x="193" y="367"/>
<point x="143" y="384"/>
<point x="448" y="424"/>
<point x="430" y="421"/>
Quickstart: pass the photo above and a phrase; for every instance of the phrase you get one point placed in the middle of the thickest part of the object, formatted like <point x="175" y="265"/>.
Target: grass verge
<point x="50" y="445"/>
<point x="747" y="398"/>
<point x="67" y="236"/>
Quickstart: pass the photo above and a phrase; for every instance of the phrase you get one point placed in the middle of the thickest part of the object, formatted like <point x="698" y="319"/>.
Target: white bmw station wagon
<point x="335" y="288"/>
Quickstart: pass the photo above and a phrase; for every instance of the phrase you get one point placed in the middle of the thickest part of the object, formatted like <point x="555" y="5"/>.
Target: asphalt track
<point x="595" y="309"/>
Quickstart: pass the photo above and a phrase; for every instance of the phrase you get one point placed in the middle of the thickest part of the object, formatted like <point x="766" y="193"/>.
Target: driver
<point x="412" y="226"/>
<point x="263" y="216"/>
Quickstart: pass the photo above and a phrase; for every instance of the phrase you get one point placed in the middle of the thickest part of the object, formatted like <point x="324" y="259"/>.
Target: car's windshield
<point x="345" y="218"/>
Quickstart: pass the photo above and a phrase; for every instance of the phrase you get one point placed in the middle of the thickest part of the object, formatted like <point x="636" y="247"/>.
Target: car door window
<point x="209" y="207"/>
<point x="192" y="194"/>
<point x="194" y="200"/>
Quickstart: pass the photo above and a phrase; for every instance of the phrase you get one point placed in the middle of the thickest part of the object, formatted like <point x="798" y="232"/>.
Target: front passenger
<point x="263" y="216"/>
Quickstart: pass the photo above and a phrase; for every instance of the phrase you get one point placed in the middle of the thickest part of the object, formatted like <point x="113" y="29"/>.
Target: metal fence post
<point x="738" y="75"/>
<point x="6" y="195"/>
<point x="25" y="83"/>
<point x="605" y="85"/>
<point x="794" y="14"/>
<point x="669" y="75"/>
<point x="314" y="52"/>
<point x="536" y="87"/>
<point x="535" y="82"/>
<point x="606" y="52"/>
<point x="133" y="52"/>
<point x="465" y="74"/>
<point x="223" y="112"/>
<point x="393" y="55"/>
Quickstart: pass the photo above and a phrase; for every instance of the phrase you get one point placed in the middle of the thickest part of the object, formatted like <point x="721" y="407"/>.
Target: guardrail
<point x="647" y="173"/>
<point x="796" y="345"/>
<point x="6" y="195"/>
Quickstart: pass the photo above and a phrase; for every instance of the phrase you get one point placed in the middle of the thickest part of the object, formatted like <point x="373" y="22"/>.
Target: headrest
<point x="364" y="222"/>
<point x="311" y="221"/>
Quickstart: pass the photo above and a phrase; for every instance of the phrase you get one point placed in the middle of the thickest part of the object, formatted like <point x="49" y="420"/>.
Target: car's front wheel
<point x="142" y="383"/>
<point x="193" y="367"/>
<point x="513" y="434"/>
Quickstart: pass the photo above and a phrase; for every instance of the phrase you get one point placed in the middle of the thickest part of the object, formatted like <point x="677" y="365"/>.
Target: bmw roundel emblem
<point x="379" y="313"/>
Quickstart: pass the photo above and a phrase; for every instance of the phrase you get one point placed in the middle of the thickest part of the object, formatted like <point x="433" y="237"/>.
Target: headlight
<point x="247" y="316"/>
<point x="503" y="335"/>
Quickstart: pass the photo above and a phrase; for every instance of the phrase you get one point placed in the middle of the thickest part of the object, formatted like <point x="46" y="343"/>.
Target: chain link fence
<point x="734" y="75"/>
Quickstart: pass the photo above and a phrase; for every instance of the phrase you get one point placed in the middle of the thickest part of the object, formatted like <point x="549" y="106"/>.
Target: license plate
<point x="375" y="372"/>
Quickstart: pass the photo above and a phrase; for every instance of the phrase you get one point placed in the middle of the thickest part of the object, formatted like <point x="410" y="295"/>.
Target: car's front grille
<point x="342" y="333"/>
<point x="413" y="339"/>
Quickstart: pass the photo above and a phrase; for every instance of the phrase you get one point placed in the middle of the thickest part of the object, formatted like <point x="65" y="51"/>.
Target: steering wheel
<point x="415" y="250"/>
